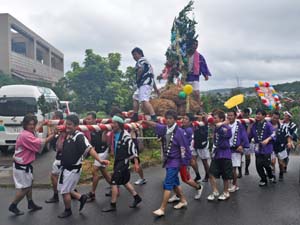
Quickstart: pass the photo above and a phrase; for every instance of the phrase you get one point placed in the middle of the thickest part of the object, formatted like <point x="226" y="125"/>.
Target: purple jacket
<point x="178" y="154"/>
<point x="203" y="70"/>
<point x="222" y="136"/>
<point x="268" y="131"/>
<point x="240" y="137"/>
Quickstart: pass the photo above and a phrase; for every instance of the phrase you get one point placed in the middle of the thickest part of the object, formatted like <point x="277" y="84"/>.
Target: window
<point x="17" y="106"/>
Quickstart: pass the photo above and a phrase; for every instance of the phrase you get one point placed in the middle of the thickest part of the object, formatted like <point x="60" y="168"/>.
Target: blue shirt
<point x="116" y="139"/>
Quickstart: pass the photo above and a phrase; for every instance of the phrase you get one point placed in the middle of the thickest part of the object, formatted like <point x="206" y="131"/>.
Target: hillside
<point x="284" y="87"/>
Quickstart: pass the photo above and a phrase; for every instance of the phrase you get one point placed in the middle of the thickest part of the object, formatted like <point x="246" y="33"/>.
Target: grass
<point x="149" y="156"/>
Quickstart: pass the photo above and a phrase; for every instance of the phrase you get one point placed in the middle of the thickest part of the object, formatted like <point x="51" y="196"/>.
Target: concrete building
<point x="26" y="55"/>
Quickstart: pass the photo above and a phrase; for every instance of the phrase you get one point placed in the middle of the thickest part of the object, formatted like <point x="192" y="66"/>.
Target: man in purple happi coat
<point x="221" y="164"/>
<point x="263" y="133"/>
<point x="238" y="141"/>
<point x="175" y="151"/>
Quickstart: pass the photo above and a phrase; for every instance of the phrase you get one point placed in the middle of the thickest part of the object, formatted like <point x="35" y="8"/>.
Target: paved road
<point x="277" y="204"/>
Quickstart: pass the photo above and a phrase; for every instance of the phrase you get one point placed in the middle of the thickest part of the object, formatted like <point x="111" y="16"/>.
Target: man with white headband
<point x="124" y="150"/>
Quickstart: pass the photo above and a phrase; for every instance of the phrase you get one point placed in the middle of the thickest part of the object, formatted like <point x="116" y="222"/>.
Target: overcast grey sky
<point x="250" y="39"/>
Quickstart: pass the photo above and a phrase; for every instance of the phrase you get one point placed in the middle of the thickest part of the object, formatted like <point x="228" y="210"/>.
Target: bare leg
<point x="234" y="181"/>
<point x="135" y="106"/>
<point x="213" y="183"/>
<point x="29" y="194"/>
<point x="96" y="178"/>
<point x="75" y="195"/>
<point x="130" y="188"/>
<point x="226" y="185"/>
<point x="166" y="197"/>
<point x="114" y="193"/>
<point x="67" y="200"/>
<point x="206" y="167"/>
<point x="148" y="108"/>
<point x="140" y="172"/>
<point x="54" y="181"/>
<point x="179" y="193"/>
<point x="194" y="165"/>
<point x="20" y="194"/>
<point x="105" y="174"/>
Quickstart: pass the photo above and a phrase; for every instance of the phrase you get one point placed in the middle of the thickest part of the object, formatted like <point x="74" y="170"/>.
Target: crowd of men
<point x="270" y="141"/>
<point x="222" y="143"/>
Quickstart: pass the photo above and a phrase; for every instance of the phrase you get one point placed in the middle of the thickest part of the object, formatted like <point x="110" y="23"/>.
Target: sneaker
<point x="174" y="198"/>
<point x="199" y="192"/>
<point x="224" y="196"/>
<point x="281" y="177"/>
<point x="246" y="172"/>
<point x="136" y="201"/>
<point x="205" y="179"/>
<point x="213" y="196"/>
<point x="110" y="208"/>
<point x="197" y="179"/>
<point x="239" y="176"/>
<point x="65" y="214"/>
<point x="159" y="212"/>
<point x="14" y="209"/>
<point x="91" y="196"/>
<point x="273" y="180"/>
<point x="82" y="201"/>
<point x="233" y="188"/>
<point x="180" y="205"/>
<point x="262" y="183"/>
<point x="140" y="182"/>
<point x="53" y="199"/>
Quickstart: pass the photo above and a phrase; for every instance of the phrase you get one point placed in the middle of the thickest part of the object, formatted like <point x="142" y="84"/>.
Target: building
<point x="26" y="55"/>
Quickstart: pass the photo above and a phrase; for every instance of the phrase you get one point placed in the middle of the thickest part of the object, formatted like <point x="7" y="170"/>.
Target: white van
<point x="15" y="102"/>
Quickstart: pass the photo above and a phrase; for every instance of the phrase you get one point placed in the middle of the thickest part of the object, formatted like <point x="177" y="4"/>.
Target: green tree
<point x="99" y="84"/>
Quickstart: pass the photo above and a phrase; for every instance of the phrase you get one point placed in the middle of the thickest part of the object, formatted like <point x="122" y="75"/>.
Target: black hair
<point x="93" y="114"/>
<point x="220" y="114"/>
<point x="137" y="50"/>
<point x="27" y="119"/>
<point x="263" y="112"/>
<point x="232" y="110"/>
<point x="246" y="110"/>
<point x="115" y="110"/>
<point x="171" y="113"/>
<point x="74" y="119"/>
<point x="190" y="116"/>
<point x="59" y="115"/>
<point x="276" y="113"/>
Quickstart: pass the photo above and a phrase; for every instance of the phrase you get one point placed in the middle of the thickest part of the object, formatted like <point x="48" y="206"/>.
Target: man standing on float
<point x="196" y="66"/>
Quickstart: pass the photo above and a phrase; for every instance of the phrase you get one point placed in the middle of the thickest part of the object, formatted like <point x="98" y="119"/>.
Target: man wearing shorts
<point x="280" y="144"/>
<point x="174" y="150"/>
<point x="221" y="164"/>
<point x="238" y="142"/>
<point x="98" y="141"/>
<point x="124" y="150"/>
<point x="196" y="66"/>
<point x="75" y="148"/>
<point x="184" y="169"/>
<point x="201" y="150"/>
<point x="57" y="145"/>
<point x="145" y="82"/>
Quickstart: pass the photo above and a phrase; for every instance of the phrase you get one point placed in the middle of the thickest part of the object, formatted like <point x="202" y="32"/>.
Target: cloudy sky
<point x="249" y="39"/>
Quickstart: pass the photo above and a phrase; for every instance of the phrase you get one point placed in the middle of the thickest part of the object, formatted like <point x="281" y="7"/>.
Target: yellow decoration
<point x="188" y="89"/>
<point x="261" y="94"/>
<point x="261" y="83"/>
<point x="234" y="101"/>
